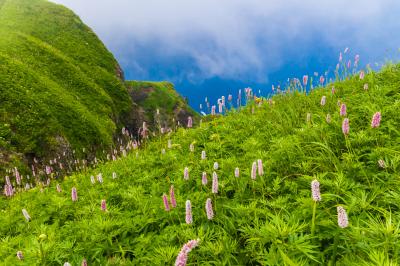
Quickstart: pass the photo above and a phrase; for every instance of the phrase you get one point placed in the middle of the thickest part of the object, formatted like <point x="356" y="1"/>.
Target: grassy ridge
<point x="150" y="96"/>
<point x="261" y="222"/>
<point x="58" y="83"/>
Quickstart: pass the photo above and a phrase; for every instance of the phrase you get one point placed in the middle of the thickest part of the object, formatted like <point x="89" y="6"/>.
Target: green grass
<point x="151" y="96"/>
<point x="262" y="222"/>
<point x="61" y="90"/>
<point x="57" y="82"/>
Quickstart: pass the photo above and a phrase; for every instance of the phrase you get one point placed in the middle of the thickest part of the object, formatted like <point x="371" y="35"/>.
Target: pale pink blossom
<point x="376" y="120"/>
<point x="260" y="167"/>
<point x="182" y="258"/>
<point x="321" y="79"/>
<point x="362" y="74"/>
<point x="209" y="209"/>
<point x="343" y="110"/>
<point x="103" y="205"/>
<point x="166" y="203"/>
<point x="190" y="122"/>
<point x="343" y="221"/>
<point x="172" y="197"/>
<point x="323" y="100"/>
<point x="315" y="190"/>
<point x="20" y="256"/>
<point x="345" y="126"/>
<point x="188" y="218"/>
<point x="186" y="173"/>
<point x="254" y="171"/>
<point x="74" y="194"/>
<point x="305" y="80"/>
<point x="381" y="163"/>
<point x="26" y="215"/>
<point x="216" y="166"/>
<point x="328" y="118"/>
<point x="214" y="188"/>
<point x="203" y="155"/>
<point x="204" y="180"/>
<point x="237" y="172"/>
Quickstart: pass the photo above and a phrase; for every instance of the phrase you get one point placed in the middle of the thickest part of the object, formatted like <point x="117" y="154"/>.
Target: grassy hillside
<point x="266" y="221"/>
<point x="61" y="90"/>
<point x="151" y="96"/>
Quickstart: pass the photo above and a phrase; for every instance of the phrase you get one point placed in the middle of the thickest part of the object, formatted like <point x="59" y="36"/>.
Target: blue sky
<point x="213" y="48"/>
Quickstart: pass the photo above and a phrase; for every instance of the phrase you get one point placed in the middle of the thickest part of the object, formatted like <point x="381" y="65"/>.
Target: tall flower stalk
<point x="316" y="196"/>
<point x="188" y="217"/>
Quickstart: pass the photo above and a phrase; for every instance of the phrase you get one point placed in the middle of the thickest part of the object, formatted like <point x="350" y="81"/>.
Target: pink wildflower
<point x="343" y="221"/>
<point x="204" y="180"/>
<point x="203" y="155"/>
<point x="343" y="110"/>
<point x="260" y="167"/>
<point x="172" y="196"/>
<point x="381" y="163"/>
<point x="305" y="80"/>
<point x="376" y="120"/>
<point x="216" y="166"/>
<point x="74" y="194"/>
<point x="237" y="172"/>
<point x="214" y="188"/>
<point x="362" y="74"/>
<point x="186" y="173"/>
<point x="103" y="205"/>
<point x="323" y="100"/>
<point x="84" y="262"/>
<point x="254" y="171"/>
<point x="213" y="110"/>
<point x="348" y="64"/>
<point x="26" y="215"/>
<point x="182" y="258"/>
<point x="189" y="218"/>
<point x="315" y="190"/>
<point x="328" y="118"/>
<point x="190" y="122"/>
<point x="345" y="126"/>
<point x="209" y="209"/>
<point x="321" y="80"/>
<point x="100" y="178"/>
<point x="166" y="203"/>
<point x="20" y="256"/>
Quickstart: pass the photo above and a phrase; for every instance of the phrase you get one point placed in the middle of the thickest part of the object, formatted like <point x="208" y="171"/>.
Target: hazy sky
<point x="230" y="43"/>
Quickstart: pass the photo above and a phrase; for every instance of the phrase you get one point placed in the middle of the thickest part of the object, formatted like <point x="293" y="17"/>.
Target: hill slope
<point x="59" y="84"/>
<point x="266" y="221"/>
<point x="161" y="96"/>
<point x="61" y="90"/>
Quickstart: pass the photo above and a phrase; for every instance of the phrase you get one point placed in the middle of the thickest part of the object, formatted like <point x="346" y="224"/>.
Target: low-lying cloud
<point x="234" y="39"/>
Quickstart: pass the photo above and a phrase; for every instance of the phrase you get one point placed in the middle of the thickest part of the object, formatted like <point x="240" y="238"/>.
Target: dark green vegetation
<point x="60" y="88"/>
<point x="261" y="222"/>
<point x="151" y="96"/>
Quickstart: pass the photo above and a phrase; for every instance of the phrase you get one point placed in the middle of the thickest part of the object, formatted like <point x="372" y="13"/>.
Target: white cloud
<point x="232" y="38"/>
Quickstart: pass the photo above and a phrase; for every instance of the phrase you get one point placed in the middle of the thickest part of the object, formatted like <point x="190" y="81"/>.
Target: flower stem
<point x="313" y="218"/>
